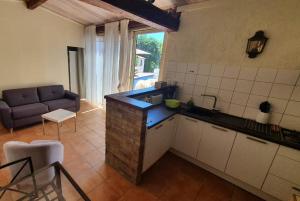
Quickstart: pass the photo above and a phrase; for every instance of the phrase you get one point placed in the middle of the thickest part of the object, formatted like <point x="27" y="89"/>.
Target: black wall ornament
<point x="256" y="44"/>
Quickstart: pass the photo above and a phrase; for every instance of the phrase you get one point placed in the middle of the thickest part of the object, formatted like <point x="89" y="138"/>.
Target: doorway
<point x="148" y="52"/>
<point x="75" y="68"/>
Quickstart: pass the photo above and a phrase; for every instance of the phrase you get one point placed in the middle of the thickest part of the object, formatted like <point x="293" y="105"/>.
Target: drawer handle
<point x="256" y="140"/>
<point x="221" y="129"/>
<point x="158" y="127"/>
<point x="296" y="189"/>
<point x="171" y="118"/>
<point x="193" y="120"/>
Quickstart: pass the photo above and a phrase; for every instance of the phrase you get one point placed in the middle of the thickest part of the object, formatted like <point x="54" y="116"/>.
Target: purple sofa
<point x="22" y="107"/>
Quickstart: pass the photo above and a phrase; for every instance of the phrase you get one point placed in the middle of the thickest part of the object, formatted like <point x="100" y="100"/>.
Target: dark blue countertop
<point x="128" y="97"/>
<point x="160" y="113"/>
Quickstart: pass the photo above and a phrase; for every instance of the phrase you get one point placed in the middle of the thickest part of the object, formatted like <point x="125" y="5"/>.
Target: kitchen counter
<point x="128" y="97"/>
<point x="159" y="113"/>
<point x="128" y="117"/>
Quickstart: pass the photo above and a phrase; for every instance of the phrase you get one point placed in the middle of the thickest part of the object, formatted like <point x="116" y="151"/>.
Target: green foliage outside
<point x="151" y="43"/>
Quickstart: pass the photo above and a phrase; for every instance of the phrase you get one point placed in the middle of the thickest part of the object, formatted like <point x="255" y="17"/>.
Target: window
<point x="148" y="51"/>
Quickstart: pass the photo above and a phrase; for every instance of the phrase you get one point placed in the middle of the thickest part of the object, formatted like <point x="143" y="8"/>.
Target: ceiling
<point x="87" y="14"/>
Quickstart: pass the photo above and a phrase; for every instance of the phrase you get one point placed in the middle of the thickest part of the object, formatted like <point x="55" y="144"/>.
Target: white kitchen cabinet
<point x="188" y="135"/>
<point x="280" y="188"/>
<point x="158" y="141"/>
<point x="215" y="146"/>
<point x="283" y="180"/>
<point x="251" y="159"/>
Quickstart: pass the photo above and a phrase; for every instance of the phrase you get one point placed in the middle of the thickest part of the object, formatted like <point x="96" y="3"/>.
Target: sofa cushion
<point x="53" y="92"/>
<point x="16" y="97"/>
<point x="60" y="104"/>
<point x="29" y="110"/>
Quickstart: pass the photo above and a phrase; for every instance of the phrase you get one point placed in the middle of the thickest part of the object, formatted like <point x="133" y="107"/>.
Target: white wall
<point x="207" y="55"/>
<point x="33" y="46"/>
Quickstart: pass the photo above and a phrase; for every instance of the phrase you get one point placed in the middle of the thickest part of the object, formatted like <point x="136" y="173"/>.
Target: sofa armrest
<point x="5" y="114"/>
<point x="75" y="97"/>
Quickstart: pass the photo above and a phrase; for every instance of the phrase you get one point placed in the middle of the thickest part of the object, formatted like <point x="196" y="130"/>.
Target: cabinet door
<point x="280" y="188"/>
<point x="251" y="159"/>
<point x="149" y="151"/>
<point x="215" y="146"/>
<point x="169" y="133"/>
<point x="158" y="141"/>
<point x="188" y="135"/>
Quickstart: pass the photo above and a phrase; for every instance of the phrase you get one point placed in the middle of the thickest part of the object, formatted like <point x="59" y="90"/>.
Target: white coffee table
<point x="58" y="117"/>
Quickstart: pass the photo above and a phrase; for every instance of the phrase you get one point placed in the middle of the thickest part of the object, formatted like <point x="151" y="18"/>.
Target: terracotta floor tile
<point x="89" y="180"/>
<point x="95" y="157"/>
<point x="137" y="194"/>
<point x="104" y="192"/>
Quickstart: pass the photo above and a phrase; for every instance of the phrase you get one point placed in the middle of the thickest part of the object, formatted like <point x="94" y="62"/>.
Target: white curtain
<point x="111" y="58"/>
<point x="92" y="67"/>
<point x="125" y="56"/>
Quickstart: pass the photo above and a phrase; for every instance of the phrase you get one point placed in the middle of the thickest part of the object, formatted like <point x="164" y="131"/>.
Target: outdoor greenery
<point x="152" y="45"/>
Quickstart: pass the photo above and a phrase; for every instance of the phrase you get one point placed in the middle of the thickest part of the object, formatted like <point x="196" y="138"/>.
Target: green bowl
<point x="172" y="103"/>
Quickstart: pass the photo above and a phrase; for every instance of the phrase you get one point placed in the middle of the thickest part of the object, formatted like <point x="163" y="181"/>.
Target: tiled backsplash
<point x="240" y="90"/>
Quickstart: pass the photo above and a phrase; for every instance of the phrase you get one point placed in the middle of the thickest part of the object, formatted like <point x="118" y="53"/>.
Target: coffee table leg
<point x="43" y="120"/>
<point x="58" y="132"/>
<point x="75" y="122"/>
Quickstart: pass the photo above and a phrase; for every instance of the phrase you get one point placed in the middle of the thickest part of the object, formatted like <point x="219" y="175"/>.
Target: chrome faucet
<point x="215" y="100"/>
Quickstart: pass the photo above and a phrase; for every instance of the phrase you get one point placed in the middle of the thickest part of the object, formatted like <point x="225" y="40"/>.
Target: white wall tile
<point x="240" y="98"/>
<point x="290" y="122"/>
<point x="286" y="76"/>
<point x="211" y="91"/>
<point x="250" y="113"/>
<point x="225" y="95"/>
<point x="231" y="72"/>
<point x="293" y="108"/>
<point x="179" y="77"/>
<point x="248" y="73"/>
<point x="244" y="86"/>
<point x="281" y="91"/>
<point x="296" y="94"/>
<point x="190" y="78"/>
<point x="266" y="74"/>
<point x="217" y="70"/>
<point x="184" y="97"/>
<point x="199" y="90"/>
<point x="171" y="66"/>
<point x="278" y="105"/>
<point x="214" y="82"/>
<point x="261" y="88"/>
<point x="228" y="83"/>
<point x="236" y="110"/>
<point x="188" y="88"/>
<point x="192" y="68"/>
<point x="202" y="80"/>
<point x="275" y="118"/>
<point x="181" y="67"/>
<point x="170" y="75"/>
<point x="223" y="106"/>
<point x="198" y="100"/>
<point x="204" y="69"/>
<point x="254" y="101"/>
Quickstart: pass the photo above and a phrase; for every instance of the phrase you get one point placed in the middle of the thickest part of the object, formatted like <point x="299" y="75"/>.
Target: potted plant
<point x="264" y="113"/>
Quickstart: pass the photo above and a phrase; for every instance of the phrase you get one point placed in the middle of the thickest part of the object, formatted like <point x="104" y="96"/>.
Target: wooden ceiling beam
<point x="32" y="4"/>
<point x="140" y="11"/>
<point x="131" y="26"/>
